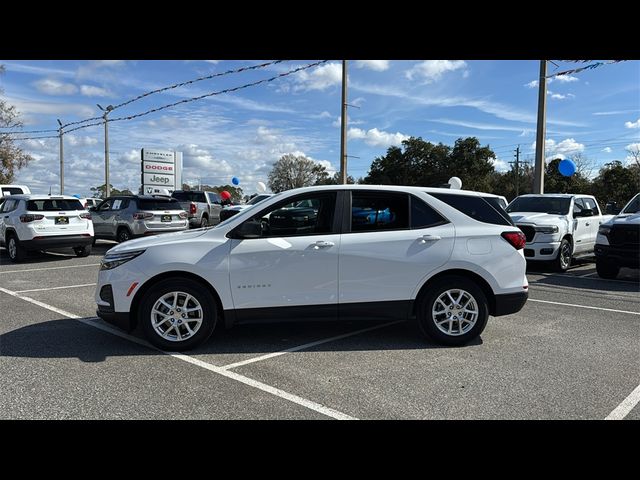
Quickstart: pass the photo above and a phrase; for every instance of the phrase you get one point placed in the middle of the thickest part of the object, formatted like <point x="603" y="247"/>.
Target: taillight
<point x="86" y="215"/>
<point x="27" y="217"/>
<point x="142" y="215"/>
<point x="183" y="214"/>
<point x="516" y="239"/>
<point x="192" y="208"/>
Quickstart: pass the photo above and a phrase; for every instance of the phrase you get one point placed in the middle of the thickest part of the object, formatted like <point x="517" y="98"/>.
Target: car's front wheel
<point x="607" y="269"/>
<point x="453" y="311"/>
<point x="83" y="251"/>
<point x="563" y="260"/>
<point x="177" y="314"/>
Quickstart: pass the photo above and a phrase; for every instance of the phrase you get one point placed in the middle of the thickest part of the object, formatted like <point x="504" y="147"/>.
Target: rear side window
<point x="423" y="216"/>
<point x="375" y="211"/>
<point x="498" y="204"/>
<point x="475" y="207"/>
<point x="53" y="205"/>
<point x="159" y="204"/>
<point x="11" y="191"/>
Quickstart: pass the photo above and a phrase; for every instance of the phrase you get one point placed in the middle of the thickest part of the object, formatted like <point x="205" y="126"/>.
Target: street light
<point x="106" y="111"/>
<point x="61" y="158"/>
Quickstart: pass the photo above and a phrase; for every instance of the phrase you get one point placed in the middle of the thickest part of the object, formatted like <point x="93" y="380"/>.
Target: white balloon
<point x="261" y="187"/>
<point x="455" y="183"/>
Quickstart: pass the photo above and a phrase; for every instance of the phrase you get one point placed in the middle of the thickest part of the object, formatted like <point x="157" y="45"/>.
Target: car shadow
<point x="64" y="339"/>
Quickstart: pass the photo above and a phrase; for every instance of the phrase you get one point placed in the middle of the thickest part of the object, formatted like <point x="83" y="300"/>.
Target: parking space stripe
<point x="626" y="406"/>
<point x="317" y="407"/>
<point x="49" y="268"/>
<point x="56" y="288"/>
<point x="576" y="276"/>
<point x="584" y="306"/>
<point x="305" y="346"/>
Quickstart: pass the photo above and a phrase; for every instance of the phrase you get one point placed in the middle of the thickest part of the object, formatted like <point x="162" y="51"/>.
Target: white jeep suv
<point x="38" y="222"/>
<point x="445" y="258"/>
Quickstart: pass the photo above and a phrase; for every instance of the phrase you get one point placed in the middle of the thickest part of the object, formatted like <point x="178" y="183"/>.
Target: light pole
<point x="61" y="158"/>
<point x="343" y="127"/>
<point x="107" y="190"/>
<point x="538" y="171"/>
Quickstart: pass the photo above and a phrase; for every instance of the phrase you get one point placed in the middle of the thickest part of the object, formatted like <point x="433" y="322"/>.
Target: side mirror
<point x="249" y="229"/>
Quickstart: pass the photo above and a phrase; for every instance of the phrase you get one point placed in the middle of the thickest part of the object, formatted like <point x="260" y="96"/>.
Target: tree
<point x="12" y="158"/>
<point x="634" y="153"/>
<point x="555" y="182"/>
<point x="293" y="171"/>
<point x="99" y="191"/>
<point x="335" y="180"/>
<point x="616" y="183"/>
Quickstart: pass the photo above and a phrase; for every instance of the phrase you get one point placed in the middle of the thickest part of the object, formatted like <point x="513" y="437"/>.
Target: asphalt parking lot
<point x="573" y="352"/>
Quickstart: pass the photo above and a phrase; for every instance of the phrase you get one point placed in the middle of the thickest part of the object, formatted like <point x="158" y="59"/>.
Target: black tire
<point x="93" y="243"/>
<point x="563" y="260"/>
<point x="15" y="250"/>
<point x="165" y="287"/>
<point x="427" y="321"/>
<point x="123" y="235"/>
<point x="607" y="268"/>
<point x="83" y="251"/>
<point x="204" y="222"/>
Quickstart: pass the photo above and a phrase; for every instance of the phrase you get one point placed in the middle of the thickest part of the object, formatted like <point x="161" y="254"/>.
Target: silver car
<point x="123" y="217"/>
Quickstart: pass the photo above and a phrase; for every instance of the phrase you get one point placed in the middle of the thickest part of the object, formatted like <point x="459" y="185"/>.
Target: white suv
<point x="37" y="222"/>
<point x="446" y="258"/>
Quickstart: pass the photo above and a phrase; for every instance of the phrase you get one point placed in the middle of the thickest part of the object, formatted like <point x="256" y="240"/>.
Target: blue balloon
<point x="235" y="181"/>
<point x="567" y="167"/>
<point x="77" y="195"/>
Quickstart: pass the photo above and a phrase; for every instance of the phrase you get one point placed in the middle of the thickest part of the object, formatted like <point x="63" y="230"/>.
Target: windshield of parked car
<point x="257" y="199"/>
<point x="554" y="205"/>
<point x="634" y="205"/>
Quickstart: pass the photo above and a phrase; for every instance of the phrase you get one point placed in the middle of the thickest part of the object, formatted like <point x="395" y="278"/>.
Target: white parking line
<point x="583" y="277"/>
<point x="626" y="406"/>
<point x="317" y="407"/>
<point x="49" y="268"/>
<point x="56" y="288"/>
<point x="305" y="346"/>
<point x="584" y="306"/>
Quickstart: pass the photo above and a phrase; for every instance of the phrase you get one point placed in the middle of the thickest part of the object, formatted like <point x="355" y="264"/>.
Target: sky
<point x="595" y="112"/>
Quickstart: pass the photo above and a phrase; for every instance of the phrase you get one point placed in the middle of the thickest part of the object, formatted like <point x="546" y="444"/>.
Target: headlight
<point x="547" y="229"/>
<point x="113" y="260"/>
<point x="604" y="230"/>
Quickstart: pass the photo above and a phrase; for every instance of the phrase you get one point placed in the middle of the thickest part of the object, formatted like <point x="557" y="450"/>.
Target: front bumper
<point x="509" y="303"/>
<point x="121" y="320"/>
<point x="624" y="257"/>
<point x="57" y="241"/>
<point x="543" y="251"/>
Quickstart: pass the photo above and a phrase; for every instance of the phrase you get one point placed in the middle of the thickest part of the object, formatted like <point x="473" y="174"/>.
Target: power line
<point x="35" y="138"/>
<point x="28" y="131"/>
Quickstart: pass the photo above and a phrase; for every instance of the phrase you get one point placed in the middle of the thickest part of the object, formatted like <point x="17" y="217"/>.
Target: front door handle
<point x="429" y="238"/>
<point x="322" y="244"/>
<point x="587" y="224"/>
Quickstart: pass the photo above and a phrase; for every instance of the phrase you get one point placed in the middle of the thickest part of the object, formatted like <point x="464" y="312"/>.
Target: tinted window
<point x="423" y="216"/>
<point x="379" y="211"/>
<point x="312" y="215"/>
<point x="257" y="199"/>
<point x="159" y="204"/>
<point x="578" y="205"/>
<point x="213" y="197"/>
<point x="499" y="204"/>
<point x="474" y="207"/>
<point x="11" y="191"/>
<point x="189" y="196"/>
<point x="590" y="204"/>
<point x="106" y="205"/>
<point x="556" y="205"/>
<point x="634" y="206"/>
<point x="53" y="205"/>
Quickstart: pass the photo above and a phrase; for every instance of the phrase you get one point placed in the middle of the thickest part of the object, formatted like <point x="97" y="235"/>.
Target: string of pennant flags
<point x="586" y="67"/>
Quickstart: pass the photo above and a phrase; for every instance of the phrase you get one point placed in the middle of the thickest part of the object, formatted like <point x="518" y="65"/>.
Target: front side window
<point x="375" y="211"/>
<point x="578" y="206"/>
<point x="309" y="215"/>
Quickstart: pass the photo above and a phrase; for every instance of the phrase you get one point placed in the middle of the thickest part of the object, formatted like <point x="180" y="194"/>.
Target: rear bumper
<point x="509" y="303"/>
<point x="57" y="241"/>
<point x="624" y="257"/>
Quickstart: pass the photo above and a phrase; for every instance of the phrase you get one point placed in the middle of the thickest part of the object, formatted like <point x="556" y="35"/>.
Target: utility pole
<point x="518" y="171"/>
<point x="60" y="133"/>
<point x="343" y="122"/>
<point x="538" y="171"/>
<point x="107" y="190"/>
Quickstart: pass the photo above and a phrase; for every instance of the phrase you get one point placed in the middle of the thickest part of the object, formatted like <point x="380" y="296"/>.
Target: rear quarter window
<point x="475" y="207"/>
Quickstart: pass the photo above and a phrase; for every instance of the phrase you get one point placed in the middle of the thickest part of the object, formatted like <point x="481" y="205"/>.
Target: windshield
<point x="554" y="205"/>
<point x="257" y="199"/>
<point x="633" y="206"/>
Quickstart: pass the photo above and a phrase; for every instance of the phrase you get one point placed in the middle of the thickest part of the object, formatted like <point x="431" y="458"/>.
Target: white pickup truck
<point x="558" y="227"/>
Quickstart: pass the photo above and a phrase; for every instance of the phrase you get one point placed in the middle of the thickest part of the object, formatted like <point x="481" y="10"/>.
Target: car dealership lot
<point x="571" y="353"/>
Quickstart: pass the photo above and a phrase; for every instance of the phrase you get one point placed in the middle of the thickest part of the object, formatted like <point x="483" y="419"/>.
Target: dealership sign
<point x="160" y="168"/>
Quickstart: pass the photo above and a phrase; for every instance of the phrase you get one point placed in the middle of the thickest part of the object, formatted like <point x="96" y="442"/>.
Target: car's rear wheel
<point x="607" y="269"/>
<point x="177" y="314"/>
<point x="123" y="235"/>
<point x="453" y="311"/>
<point x="204" y="222"/>
<point x="83" y="251"/>
<point x="16" y="251"/>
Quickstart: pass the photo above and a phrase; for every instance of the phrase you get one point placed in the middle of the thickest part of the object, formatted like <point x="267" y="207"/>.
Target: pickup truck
<point x="618" y="241"/>
<point x="558" y="227"/>
<point x="203" y="207"/>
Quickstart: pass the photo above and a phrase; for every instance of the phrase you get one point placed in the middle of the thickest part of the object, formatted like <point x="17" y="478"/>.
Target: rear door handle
<point x="429" y="238"/>
<point x="322" y="244"/>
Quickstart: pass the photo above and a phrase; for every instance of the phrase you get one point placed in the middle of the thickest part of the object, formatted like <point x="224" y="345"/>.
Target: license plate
<point x="166" y="218"/>
<point x="62" y="220"/>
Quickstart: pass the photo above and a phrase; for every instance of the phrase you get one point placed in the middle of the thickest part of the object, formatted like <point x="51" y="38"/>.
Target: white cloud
<point x="108" y="63"/>
<point x="632" y="124"/>
<point x="558" y="96"/>
<point x="93" y="91"/>
<point x="564" y="79"/>
<point x="532" y="84"/>
<point x="376" y="65"/>
<point x="28" y="106"/>
<point x="431" y="70"/>
<point x="376" y="138"/>
<point x="76" y="141"/>
<point x="319" y="78"/>
<point x="499" y="165"/>
<point x="55" y="87"/>
<point x="325" y="114"/>
<point x="607" y="149"/>
<point x="566" y="147"/>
